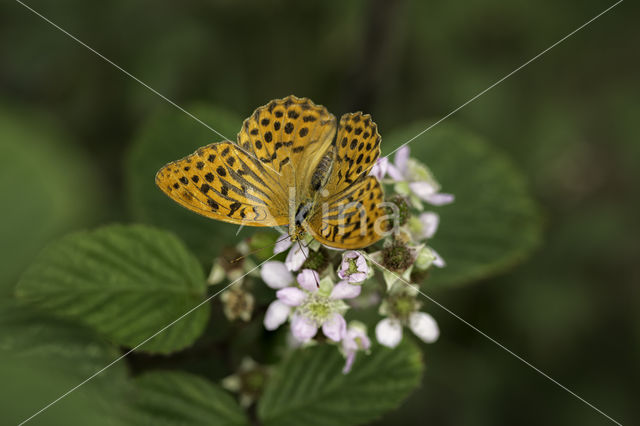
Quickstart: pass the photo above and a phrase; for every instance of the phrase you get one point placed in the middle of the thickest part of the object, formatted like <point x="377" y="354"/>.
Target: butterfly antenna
<point x="237" y="259"/>
<point x="307" y="258"/>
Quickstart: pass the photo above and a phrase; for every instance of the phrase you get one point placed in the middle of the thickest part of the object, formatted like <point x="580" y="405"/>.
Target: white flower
<point x="354" y="267"/>
<point x="438" y="261"/>
<point x="308" y="279"/>
<point x="291" y="296"/>
<point x="311" y="309"/>
<point x="303" y="328"/>
<point x="344" y="290"/>
<point x="430" y="222"/>
<point x="334" y="327"/>
<point x="424" y="326"/>
<point x="277" y="314"/>
<point x="424" y="226"/>
<point x="355" y="340"/>
<point x="217" y="274"/>
<point x="389" y="330"/>
<point x="379" y="169"/>
<point x="415" y="178"/>
<point x="296" y="257"/>
<point x="275" y="274"/>
<point x="440" y="199"/>
<point x="399" y="169"/>
<point x="283" y="243"/>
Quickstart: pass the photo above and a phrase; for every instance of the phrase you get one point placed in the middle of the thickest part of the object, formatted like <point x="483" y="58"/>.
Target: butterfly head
<point x="297" y="233"/>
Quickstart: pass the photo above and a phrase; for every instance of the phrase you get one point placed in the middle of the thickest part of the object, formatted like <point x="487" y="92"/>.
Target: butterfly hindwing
<point x="357" y="147"/>
<point x="353" y="218"/>
<point x="224" y="182"/>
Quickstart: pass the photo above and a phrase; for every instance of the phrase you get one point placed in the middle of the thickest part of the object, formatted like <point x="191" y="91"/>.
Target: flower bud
<point x="403" y="208"/>
<point x="397" y="256"/>
<point x="317" y="260"/>
<point x="237" y="303"/>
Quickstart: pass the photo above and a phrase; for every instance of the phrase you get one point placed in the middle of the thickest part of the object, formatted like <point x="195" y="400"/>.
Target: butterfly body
<point x="286" y="168"/>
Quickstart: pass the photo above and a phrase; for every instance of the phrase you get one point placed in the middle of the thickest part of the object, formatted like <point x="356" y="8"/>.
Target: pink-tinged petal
<point x="351" y="254"/>
<point x="276" y="275"/>
<point x="364" y="344"/>
<point x="342" y="272"/>
<point x="277" y="314"/>
<point x="302" y="328"/>
<point x="335" y="327"/>
<point x="344" y="290"/>
<point x="355" y="340"/>
<point x="440" y="199"/>
<point x="438" y="261"/>
<point x="351" y="356"/>
<point x="424" y="326"/>
<point x="402" y="158"/>
<point x="395" y="174"/>
<point x="357" y="277"/>
<point x="296" y="257"/>
<point x="430" y="222"/>
<point x="379" y="169"/>
<point x="282" y="244"/>
<point x="360" y="265"/>
<point x="309" y="279"/>
<point x="349" y="344"/>
<point x="422" y="189"/>
<point x="291" y="296"/>
<point x="389" y="332"/>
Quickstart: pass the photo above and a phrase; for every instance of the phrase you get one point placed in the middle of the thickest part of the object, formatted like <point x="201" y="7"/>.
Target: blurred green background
<point x="568" y="121"/>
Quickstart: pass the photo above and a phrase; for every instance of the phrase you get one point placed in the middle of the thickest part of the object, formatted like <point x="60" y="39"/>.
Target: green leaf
<point x="494" y="223"/>
<point x="126" y="282"/>
<point x="30" y="384"/>
<point x="177" y="398"/>
<point x="308" y="387"/>
<point x="28" y="333"/>
<point x="48" y="357"/>
<point x="168" y="137"/>
<point x="40" y="185"/>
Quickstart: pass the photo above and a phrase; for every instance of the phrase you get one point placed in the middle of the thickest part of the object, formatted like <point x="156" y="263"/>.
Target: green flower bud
<point x="317" y="260"/>
<point x="425" y="258"/>
<point x="402" y="305"/>
<point x="397" y="256"/>
<point x="403" y="209"/>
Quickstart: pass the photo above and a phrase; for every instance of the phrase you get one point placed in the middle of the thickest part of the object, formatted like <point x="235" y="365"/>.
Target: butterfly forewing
<point x="353" y="218"/>
<point x="224" y="182"/>
<point x="288" y="134"/>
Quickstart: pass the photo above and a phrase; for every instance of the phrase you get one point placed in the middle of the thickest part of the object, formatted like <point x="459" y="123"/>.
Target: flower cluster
<point x="315" y="288"/>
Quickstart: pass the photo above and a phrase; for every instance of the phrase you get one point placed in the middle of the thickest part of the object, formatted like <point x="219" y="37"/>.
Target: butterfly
<point x="292" y="165"/>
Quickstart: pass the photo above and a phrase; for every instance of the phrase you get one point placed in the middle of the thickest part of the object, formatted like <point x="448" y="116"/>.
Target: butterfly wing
<point x="289" y="137"/>
<point x="353" y="218"/>
<point x="224" y="182"/>
<point x="357" y="147"/>
<point x="348" y="213"/>
<point x="278" y="148"/>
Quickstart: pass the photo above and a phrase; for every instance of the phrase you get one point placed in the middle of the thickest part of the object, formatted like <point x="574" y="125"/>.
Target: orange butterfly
<point x="287" y="168"/>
